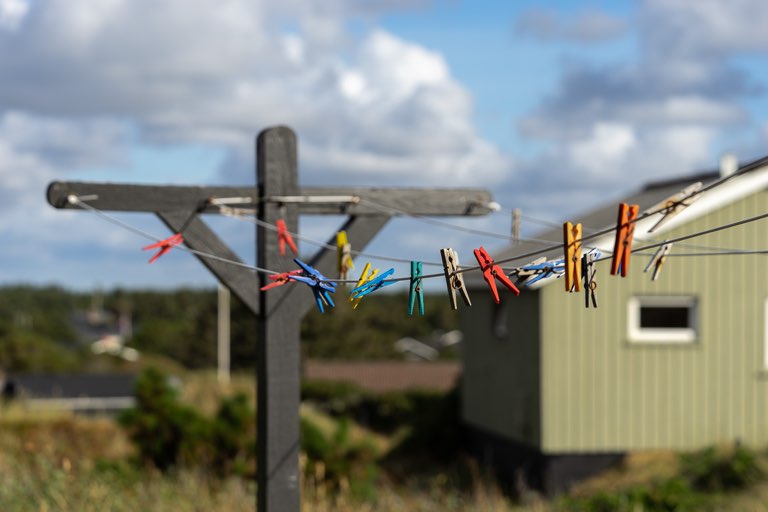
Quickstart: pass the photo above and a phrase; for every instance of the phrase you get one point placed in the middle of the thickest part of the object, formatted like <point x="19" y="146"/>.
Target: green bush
<point x="169" y="433"/>
<point x="713" y="470"/>
<point x="342" y="459"/>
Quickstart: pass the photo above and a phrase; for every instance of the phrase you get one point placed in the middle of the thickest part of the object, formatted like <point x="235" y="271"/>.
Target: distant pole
<point x="223" y="336"/>
<point x="516" y="225"/>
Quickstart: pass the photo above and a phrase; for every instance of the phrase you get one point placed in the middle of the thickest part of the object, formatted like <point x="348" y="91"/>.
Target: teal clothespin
<point x="372" y="285"/>
<point x="416" y="290"/>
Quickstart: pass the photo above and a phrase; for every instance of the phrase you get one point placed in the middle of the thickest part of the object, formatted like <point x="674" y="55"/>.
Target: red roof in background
<point x="386" y="375"/>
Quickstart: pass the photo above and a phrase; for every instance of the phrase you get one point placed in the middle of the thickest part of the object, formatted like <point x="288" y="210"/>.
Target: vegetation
<point x="38" y="334"/>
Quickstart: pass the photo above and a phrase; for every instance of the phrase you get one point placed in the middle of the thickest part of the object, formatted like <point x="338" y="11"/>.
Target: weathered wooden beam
<point x="241" y="281"/>
<point x="278" y="352"/>
<point x="383" y="201"/>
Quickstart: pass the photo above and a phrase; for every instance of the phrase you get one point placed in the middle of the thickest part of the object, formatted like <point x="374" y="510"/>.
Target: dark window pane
<point x="664" y="317"/>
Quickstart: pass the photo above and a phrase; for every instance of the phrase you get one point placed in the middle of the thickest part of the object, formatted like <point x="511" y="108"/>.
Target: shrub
<point x="169" y="433"/>
<point x="338" y="460"/>
<point x="714" y="470"/>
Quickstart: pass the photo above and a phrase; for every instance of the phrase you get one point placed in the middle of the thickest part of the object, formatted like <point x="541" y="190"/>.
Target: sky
<point x="556" y="107"/>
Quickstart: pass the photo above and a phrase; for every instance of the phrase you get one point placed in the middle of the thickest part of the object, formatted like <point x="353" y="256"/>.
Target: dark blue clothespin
<point x="538" y="270"/>
<point x="416" y="291"/>
<point x="372" y="285"/>
<point x="320" y="285"/>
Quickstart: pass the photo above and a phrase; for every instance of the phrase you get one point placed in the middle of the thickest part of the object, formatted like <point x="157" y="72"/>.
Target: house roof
<point x="75" y="385"/>
<point x="605" y="215"/>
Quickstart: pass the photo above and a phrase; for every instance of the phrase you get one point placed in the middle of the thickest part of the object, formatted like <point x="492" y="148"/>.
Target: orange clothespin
<point x="572" y="245"/>
<point x="364" y="278"/>
<point x="491" y="272"/>
<point x="280" y="279"/>
<point x="343" y="254"/>
<point x="164" y="246"/>
<point x="625" y="231"/>
<point x="283" y="237"/>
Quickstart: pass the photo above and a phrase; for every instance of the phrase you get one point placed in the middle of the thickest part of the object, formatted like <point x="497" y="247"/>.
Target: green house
<point x="554" y="391"/>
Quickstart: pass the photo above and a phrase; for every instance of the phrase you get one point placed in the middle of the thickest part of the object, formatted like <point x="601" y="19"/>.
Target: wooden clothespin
<point x="321" y="287"/>
<point x="164" y="246"/>
<point x="572" y="246"/>
<point x="364" y="278"/>
<point x="284" y="237"/>
<point x="454" y="278"/>
<point x="343" y="254"/>
<point x="491" y="272"/>
<point x="415" y="292"/>
<point x="279" y="279"/>
<point x="658" y="260"/>
<point x="588" y="271"/>
<point x="673" y="205"/>
<point x="625" y="231"/>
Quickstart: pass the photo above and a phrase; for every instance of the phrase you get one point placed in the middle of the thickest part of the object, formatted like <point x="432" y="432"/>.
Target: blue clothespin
<point x="372" y="285"/>
<point x="320" y="285"/>
<point x="416" y="291"/>
<point x="540" y="270"/>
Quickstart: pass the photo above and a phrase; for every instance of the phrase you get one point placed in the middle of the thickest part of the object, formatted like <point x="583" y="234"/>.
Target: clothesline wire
<point x="689" y="236"/>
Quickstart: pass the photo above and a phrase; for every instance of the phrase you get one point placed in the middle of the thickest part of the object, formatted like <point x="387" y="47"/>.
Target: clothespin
<point x="453" y="278"/>
<point x="364" y="277"/>
<point x="572" y="245"/>
<point x="625" y="230"/>
<point x="673" y="205"/>
<point x="415" y="291"/>
<point x="321" y="287"/>
<point x="588" y="271"/>
<point x="538" y="269"/>
<point x="658" y="260"/>
<point x="343" y="254"/>
<point x="284" y="237"/>
<point x="164" y="246"/>
<point x="279" y="279"/>
<point x="491" y="272"/>
<point x="372" y="284"/>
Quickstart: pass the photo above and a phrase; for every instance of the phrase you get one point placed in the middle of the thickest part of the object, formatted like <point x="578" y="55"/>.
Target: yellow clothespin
<point x="572" y="243"/>
<point x="343" y="254"/>
<point x="364" y="278"/>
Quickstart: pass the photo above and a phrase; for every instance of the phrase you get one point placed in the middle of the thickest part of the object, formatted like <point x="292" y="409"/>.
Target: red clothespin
<point x="283" y="237"/>
<point x="625" y="230"/>
<point x="572" y="244"/>
<point x="491" y="272"/>
<point x="280" y="279"/>
<point x="164" y="246"/>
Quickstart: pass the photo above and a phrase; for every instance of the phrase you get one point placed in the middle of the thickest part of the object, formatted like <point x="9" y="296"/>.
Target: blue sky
<point x="556" y="107"/>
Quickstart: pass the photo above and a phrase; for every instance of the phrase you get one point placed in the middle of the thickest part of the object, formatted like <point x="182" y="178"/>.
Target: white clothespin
<point x="673" y="205"/>
<point x="658" y="260"/>
<point x="453" y="278"/>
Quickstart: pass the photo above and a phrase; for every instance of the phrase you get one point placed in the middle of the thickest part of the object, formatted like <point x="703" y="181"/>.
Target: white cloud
<point x="604" y="150"/>
<point x="12" y="13"/>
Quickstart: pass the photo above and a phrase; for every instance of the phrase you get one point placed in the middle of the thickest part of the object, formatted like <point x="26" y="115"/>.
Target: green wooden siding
<point x="500" y="391"/>
<point x="602" y="392"/>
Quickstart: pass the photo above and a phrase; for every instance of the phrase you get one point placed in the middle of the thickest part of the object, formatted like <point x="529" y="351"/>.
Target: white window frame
<point x="658" y="334"/>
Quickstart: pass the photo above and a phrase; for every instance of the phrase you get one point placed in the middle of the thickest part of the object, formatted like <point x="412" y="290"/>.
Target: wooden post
<point x="223" y="335"/>
<point x="278" y="331"/>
